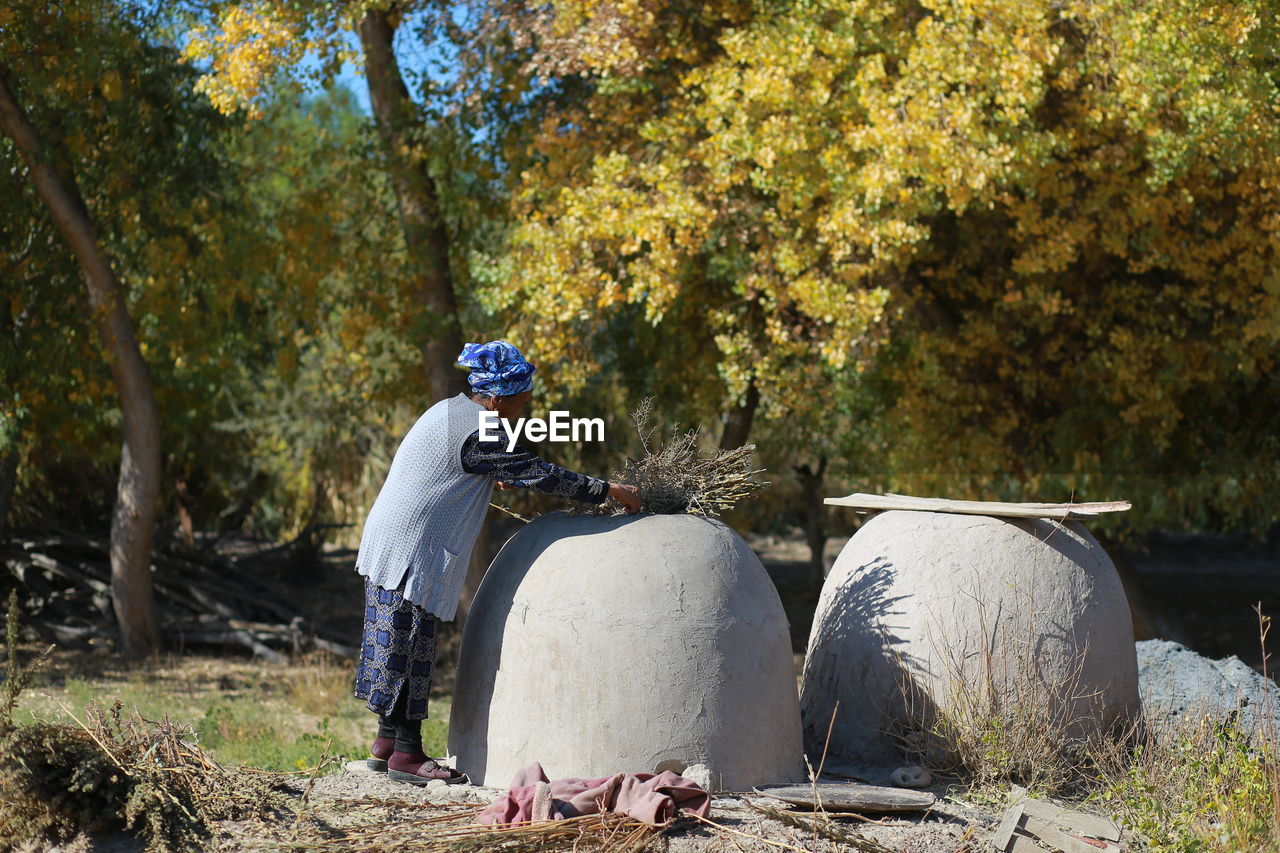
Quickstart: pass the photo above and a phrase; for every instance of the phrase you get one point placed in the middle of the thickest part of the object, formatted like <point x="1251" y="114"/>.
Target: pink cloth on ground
<point x="647" y="798"/>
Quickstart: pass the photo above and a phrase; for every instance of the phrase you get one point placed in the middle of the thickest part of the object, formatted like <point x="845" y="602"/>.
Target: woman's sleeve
<point x="519" y="467"/>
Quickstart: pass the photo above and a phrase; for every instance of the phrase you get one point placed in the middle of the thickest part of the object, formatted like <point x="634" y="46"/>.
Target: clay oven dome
<point x="605" y="644"/>
<point x="962" y="610"/>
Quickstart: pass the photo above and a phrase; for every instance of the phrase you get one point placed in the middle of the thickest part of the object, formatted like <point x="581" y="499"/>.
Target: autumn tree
<point x="249" y="47"/>
<point x="1043" y="229"/>
<point x="137" y="153"/>
<point x="52" y="174"/>
<point x="321" y="420"/>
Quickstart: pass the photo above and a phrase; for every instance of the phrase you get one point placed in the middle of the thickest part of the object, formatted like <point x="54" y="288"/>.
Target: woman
<point x="418" y="537"/>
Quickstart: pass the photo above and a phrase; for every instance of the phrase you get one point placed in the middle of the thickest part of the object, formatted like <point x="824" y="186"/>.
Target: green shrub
<point x="1206" y="787"/>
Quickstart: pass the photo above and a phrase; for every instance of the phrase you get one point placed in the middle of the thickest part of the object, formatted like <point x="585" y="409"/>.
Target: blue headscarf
<point x="497" y="369"/>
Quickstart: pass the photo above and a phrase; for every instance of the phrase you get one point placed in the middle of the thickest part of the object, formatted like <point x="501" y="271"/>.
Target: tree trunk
<point x="737" y="424"/>
<point x="185" y="522"/>
<point x="8" y="481"/>
<point x="815" y="527"/>
<point x="400" y="125"/>
<point x="9" y="456"/>
<point x="138" y="488"/>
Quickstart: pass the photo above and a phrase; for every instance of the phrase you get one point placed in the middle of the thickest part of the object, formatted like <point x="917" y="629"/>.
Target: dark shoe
<point x="379" y="753"/>
<point x="417" y="769"/>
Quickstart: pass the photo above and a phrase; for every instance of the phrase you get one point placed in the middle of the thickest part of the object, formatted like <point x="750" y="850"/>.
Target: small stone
<point x="435" y="784"/>
<point x="699" y="774"/>
<point x="911" y="777"/>
<point x="459" y="794"/>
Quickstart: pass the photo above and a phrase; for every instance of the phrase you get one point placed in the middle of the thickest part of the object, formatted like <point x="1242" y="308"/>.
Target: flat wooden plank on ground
<point x="1056" y="838"/>
<point x="1023" y="844"/>
<point x="1008" y="826"/>
<point x="1081" y="823"/>
<point x="1061" y="511"/>
<point x="850" y="797"/>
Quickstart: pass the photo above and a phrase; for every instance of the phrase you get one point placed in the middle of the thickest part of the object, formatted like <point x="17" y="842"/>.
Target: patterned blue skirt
<point x="397" y="653"/>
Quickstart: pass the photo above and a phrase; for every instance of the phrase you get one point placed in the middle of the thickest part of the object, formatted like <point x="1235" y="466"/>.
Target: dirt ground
<point x="344" y="806"/>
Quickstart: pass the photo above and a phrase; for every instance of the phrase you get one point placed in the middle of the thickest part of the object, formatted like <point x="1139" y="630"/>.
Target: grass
<point x="1011" y="713"/>
<point x="107" y="771"/>
<point x="1205" y="786"/>
<point x="244" y="713"/>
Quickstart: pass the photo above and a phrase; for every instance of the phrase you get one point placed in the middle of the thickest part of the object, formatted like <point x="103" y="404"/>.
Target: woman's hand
<point x="628" y="496"/>
<point x="501" y="486"/>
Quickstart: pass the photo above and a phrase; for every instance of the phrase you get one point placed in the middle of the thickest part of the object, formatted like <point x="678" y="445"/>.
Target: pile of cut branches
<point x="110" y="772"/>
<point x="679" y="476"/>
<point x="206" y="597"/>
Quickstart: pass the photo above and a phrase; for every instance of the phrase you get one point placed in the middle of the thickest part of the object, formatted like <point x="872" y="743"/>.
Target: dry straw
<point x="821" y="824"/>
<point x="457" y="832"/>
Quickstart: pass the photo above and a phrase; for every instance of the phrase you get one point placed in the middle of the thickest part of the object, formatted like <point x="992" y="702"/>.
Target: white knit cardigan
<point x="429" y="511"/>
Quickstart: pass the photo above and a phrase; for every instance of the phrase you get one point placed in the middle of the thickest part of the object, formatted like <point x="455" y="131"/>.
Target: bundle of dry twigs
<point x="681" y="477"/>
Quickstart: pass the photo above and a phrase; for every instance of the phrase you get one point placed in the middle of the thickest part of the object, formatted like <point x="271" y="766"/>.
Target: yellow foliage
<point x="256" y="43"/>
<point x="1032" y="192"/>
